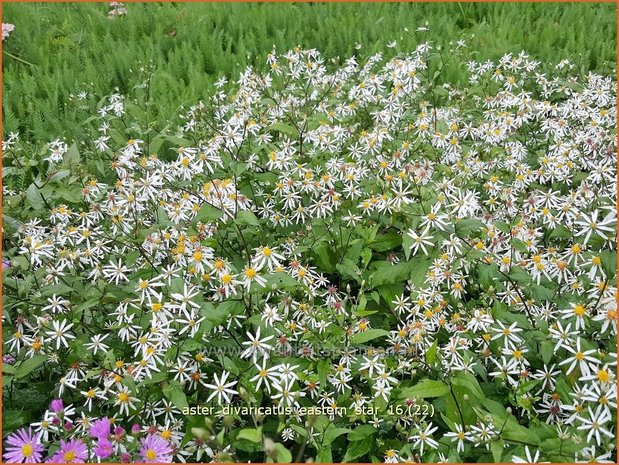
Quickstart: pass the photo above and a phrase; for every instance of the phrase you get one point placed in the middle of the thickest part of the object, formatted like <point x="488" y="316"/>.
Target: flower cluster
<point x="117" y="9"/>
<point x="7" y="28"/>
<point x="98" y="439"/>
<point x="437" y="259"/>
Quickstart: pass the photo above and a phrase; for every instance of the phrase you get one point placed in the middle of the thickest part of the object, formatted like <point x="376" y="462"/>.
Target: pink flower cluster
<point x="116" y="9"/>
<point x="7" y="28"/>
<point x="103" y="440"/>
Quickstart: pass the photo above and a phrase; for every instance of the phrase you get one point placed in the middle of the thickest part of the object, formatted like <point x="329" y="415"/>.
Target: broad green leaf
<point x="246" y="217"/>
<point x="497" y="450"/>
<point x="28" y="366"/>
<point x="282" y="454"/>
<point x="426" y="388"/>
<point x="286" y="129"/>
<point x="175" y="394"/>
<point x="469" y="383"/>
<point x="368" y="335"/>
<point x="35" y="198"/>
<point x="250" y="434"/>
<point x="208" y="213"/>
<point x="333" y="433"/>
<point x="357" y="449"/>
<point x="466" y="226"/>
<point x="361" y="432"/>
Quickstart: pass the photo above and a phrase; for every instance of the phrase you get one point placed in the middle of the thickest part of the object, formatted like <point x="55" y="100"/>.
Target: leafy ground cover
<point x="402" y="252"/>
<point x="72" y="48"/>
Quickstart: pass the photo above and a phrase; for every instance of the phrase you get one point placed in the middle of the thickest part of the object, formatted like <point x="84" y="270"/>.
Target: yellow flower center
<point x="27" y="450"/>
<point x="603" y="376"/>
<point x="579" y="310"/>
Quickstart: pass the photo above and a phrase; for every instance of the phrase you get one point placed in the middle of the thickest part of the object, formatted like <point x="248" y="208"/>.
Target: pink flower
<point x="57" y="406"/>
<point x="104" y="448"/>
<point x="23" y="446"/>
<point x="7" y="28"/>
<point x="100" y="429"/>
<point x="73" y="451"/>
<point x="155" y="449"/>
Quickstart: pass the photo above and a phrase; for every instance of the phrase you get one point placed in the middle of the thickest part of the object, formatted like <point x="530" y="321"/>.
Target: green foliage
<point x="68" y="47"/>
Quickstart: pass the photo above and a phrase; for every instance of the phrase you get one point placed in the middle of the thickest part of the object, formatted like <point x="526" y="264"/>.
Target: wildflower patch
<point x="362" y="262"/>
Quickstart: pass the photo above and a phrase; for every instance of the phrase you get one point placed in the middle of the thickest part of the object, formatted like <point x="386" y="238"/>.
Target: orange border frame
<point x="616" y="2"/>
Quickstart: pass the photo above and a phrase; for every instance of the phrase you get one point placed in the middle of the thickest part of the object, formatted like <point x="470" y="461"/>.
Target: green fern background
<point x="60" y="49"/>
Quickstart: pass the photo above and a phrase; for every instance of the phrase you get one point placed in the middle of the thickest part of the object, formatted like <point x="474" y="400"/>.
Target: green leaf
<point x="34" y="198"/>
<point x="250" y="434"/>
<point x="513" y="431"/>
<point x="29" y="365"/>
<point x="13" y="419"/>
<point x="547" y="351"/>
<point x="333" y="433"/>
<point x="386" y="242"/>
<point x="541" y="293"/>
<point x="469" y="383"/>
<point x="281" y="280"/>
<point x="285" y="129"/>
<point x="497" y="450"/>
<point x="8" y="369"/>
<point x="325" y="258"/>
<point x="282" y="454"/>
<point x="324" y="455"/>
<point x="247" y="217"/>
<point x="426" y="388"/>
<point x="407" y="244"/>
<point x="432" y="353"/>
<point x="220" y="313"/>
<point x="357" y="449"/>
<point x="415" y="270"/>
<point x="609" y="263"/>
<point x="159" y="140"/>
<point x="488" y="274"/>
<point x="175" y="394"/>
<point x="368" y="335"/>
<point x="208" y="213"/>
<point x="362" y="432"/>
<point x="560" y="231"/>
<point x="323" y="370"/>
<point x="163" y="220"/>
<point x="156" y="378"/>
<point x="519" y="275"/>
<point x="72" y="156"/>
<point x="466" y="226"/>
<point x="57" y="176"/>
<point x="349" y="270"/>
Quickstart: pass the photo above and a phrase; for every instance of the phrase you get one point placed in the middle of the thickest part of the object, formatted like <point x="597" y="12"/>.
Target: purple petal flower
<point x="57" y="406"/>
<point x="155" y="449"/>
<point x="23" y="446"/>
<point x="104" y="448"/>
<point x="73" y="451"/>
<point x="100" y="429"/>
